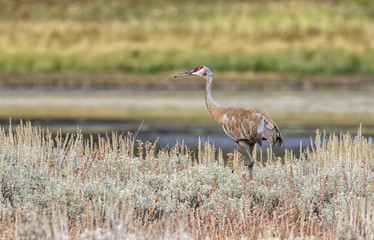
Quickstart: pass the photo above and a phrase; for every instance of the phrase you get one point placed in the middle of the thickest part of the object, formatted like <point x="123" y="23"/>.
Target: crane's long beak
<point x="184" y="74"/>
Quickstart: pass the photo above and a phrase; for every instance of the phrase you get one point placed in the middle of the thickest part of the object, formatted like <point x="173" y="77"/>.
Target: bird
<point x="245" y="126"/>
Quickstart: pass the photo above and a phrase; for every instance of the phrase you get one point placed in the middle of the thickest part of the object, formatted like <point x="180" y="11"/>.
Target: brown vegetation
<point x="69" y="187"/>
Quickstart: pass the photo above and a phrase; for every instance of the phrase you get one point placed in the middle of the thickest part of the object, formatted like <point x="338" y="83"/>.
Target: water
<point x="170" y="134"/>
<point x="181" y="116"/>
<point x="190" y="134"/>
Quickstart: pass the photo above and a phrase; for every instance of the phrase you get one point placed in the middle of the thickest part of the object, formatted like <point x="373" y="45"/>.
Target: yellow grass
<point x="173" y="36"/>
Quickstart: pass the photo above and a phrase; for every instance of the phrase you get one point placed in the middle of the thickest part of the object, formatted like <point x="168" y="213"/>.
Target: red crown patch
<point x="198" y="68"/>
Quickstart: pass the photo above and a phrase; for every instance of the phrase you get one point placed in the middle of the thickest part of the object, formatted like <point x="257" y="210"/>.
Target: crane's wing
<point x="250" y="125"/>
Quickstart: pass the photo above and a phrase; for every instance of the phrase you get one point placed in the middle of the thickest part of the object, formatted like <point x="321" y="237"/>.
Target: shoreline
<point x="293" y="109"/>
<point x="165" y="81"/>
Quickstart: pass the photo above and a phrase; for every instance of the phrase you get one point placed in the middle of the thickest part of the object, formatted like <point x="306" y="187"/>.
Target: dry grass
<point x="66" y="187"/>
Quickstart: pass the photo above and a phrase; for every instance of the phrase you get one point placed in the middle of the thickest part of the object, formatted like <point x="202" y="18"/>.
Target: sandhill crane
<point x="245" y="126"/>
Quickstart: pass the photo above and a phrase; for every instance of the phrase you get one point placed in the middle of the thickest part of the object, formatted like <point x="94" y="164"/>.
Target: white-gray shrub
<point x="38" y="173"/>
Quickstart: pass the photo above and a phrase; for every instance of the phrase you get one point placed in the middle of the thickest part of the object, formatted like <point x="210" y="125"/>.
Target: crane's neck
<point x="209" y="101"/>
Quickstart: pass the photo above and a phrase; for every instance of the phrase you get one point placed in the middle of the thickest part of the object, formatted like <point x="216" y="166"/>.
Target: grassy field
<point x="302" y="37"/>
<point x="69" y="187"/>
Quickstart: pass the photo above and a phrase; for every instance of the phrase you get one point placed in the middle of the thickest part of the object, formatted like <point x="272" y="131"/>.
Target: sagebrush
<point x="56" y="186"/>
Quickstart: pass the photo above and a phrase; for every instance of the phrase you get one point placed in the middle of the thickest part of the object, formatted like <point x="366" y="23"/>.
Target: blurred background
<point x="104" y="66"/>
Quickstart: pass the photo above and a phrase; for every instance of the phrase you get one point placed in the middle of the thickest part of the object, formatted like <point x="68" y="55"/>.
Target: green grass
<point x="118" y="187"/>
<point x="133" y="37"/>
<point x="322" y="61"/>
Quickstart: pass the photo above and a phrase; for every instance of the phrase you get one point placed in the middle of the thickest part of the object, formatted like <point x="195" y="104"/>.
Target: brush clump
<point x="56" y="186"/>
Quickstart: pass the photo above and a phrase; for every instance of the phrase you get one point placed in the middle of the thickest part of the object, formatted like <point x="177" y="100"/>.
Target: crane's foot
<point x="250" y="167"/>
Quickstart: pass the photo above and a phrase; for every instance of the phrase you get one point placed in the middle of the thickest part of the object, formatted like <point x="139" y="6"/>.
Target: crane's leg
<point x="249" y="149"/>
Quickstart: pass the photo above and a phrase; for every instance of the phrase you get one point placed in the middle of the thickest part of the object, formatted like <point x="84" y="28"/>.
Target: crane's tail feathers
<point x="272" y="133"/>
<point x="279" y="138"/>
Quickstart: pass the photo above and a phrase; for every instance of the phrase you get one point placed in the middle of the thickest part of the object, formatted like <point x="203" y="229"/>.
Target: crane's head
<point x="201" y="71"/>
